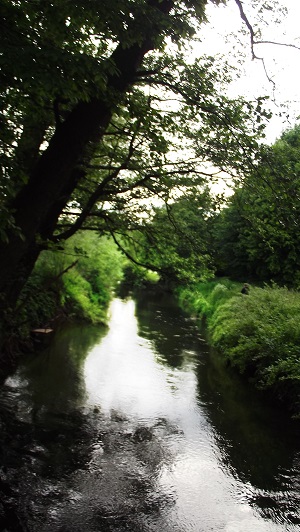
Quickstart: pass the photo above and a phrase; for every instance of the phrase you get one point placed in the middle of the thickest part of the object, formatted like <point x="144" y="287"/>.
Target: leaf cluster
<point x="257" y="235"/>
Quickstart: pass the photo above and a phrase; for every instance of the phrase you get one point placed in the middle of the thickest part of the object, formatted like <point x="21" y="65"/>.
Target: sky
<point x="282" y="62"/>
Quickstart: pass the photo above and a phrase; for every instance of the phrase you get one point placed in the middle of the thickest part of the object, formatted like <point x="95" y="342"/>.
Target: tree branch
<point x="132" y="259"/>
<point x="254" y="42"/>
<point x="278" y="44"/>
<point x="251" y="31"/>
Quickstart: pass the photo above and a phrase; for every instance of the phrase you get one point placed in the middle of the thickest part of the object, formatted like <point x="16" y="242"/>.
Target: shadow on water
<point x="42" y="428"/>
<point x="172" y="332"/>
<point x="54" y="375"/>
<point x="258" y="443"/>
<point x="69" y="465"/>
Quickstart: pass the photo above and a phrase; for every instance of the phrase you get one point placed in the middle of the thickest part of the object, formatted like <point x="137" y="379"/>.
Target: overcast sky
<point x="282" y="62"/>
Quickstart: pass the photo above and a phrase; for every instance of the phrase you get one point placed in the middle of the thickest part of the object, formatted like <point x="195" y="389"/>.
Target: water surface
<point x="140" y="427"/>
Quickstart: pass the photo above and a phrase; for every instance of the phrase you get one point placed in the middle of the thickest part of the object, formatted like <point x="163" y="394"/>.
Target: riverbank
<point x="258" y="333"/>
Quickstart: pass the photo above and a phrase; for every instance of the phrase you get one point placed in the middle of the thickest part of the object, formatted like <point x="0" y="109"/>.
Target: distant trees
<point x="176" y="242"/>
<point x="253" y="235"/>
<point x="257" y="234"/>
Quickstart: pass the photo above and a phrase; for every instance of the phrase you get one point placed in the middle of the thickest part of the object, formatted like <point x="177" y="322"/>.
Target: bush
<point x="259" y="333"/>
<point x="76" y="281"/>
<point x="203" y="298"/>
<point x="80" y="301"/>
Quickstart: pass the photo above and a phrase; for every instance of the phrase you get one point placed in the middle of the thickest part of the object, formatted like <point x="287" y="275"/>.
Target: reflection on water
<point x="55" y="376"/>
<point x="121" y="373"/>
<point x="139" y="427"/>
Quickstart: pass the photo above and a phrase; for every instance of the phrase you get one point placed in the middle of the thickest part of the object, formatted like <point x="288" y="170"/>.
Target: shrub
<point x="77" y="281"/>
<point x="259" y="333"/>
<point x="203" y="298"/>
<point x="80" y="300"/>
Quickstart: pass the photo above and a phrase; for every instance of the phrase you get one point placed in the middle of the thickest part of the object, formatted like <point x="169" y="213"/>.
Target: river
<point x="139" y="427"/>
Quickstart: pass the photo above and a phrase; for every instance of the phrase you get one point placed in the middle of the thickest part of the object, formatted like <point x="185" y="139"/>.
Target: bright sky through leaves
<point x="223" y="36"/>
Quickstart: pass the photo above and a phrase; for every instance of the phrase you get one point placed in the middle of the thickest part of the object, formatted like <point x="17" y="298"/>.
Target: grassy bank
<point x="74" y="282"/>
<point x="259" y="333"/>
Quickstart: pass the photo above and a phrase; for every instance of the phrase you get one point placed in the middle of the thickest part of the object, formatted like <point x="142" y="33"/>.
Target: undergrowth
<point x="259" y="333"/>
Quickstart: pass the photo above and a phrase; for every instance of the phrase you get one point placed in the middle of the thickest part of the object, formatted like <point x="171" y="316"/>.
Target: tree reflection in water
<point x="139" y="427"/>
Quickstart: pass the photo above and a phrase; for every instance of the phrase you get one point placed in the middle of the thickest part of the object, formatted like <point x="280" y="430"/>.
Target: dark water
<point x="139" y="427"/>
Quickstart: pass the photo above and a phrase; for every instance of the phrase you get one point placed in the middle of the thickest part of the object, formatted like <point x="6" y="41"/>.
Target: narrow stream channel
<point x="139" y="427"/>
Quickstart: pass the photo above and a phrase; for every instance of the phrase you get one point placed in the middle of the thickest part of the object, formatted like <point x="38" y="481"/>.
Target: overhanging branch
<point x="254" y="42"/>
<point x="132" y="259"/>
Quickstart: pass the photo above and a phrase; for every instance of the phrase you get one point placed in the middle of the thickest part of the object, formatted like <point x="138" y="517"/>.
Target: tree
<point x="83" y="136"/>
<point x="257" y="235"/>
<point x="176" y="242"/>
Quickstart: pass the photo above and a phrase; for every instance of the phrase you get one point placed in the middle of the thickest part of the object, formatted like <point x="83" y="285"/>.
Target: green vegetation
<point x="99" y="108"/>
<point x="253" y="235"/>
<point x="75" y="282"/>
<point x="135" y="276"/>
<point x="88" y="286"/>
<point x="257" y="234"/>
<point x="205" y="297"/>
<point x="175" y="241"/>
<point x="259" y="333"/>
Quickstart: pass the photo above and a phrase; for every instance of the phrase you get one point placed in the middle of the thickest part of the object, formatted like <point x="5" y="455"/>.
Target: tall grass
<point x="204" y="298"/>
<point x="259" y="333"/>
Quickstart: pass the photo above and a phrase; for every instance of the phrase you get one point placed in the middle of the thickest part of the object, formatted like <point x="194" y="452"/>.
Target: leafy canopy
<point x="257" y="235"/>
<point x="173" y="120"/>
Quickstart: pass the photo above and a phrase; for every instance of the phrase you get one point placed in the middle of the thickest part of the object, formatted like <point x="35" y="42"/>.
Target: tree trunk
<point x="54" y="177"/>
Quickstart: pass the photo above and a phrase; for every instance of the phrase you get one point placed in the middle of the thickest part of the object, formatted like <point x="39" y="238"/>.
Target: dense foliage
<point x="98" y="109"/>
<point x="257" y="234"/>
<point x="89" y="285"/>
<point x="252" y="235"/>
<point x="75" y="282"/>
<point x="258" y="334"/>
<point x="176" y="241"/>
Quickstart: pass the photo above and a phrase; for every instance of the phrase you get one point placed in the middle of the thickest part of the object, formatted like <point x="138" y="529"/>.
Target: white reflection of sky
<point x="122" y="375"/>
